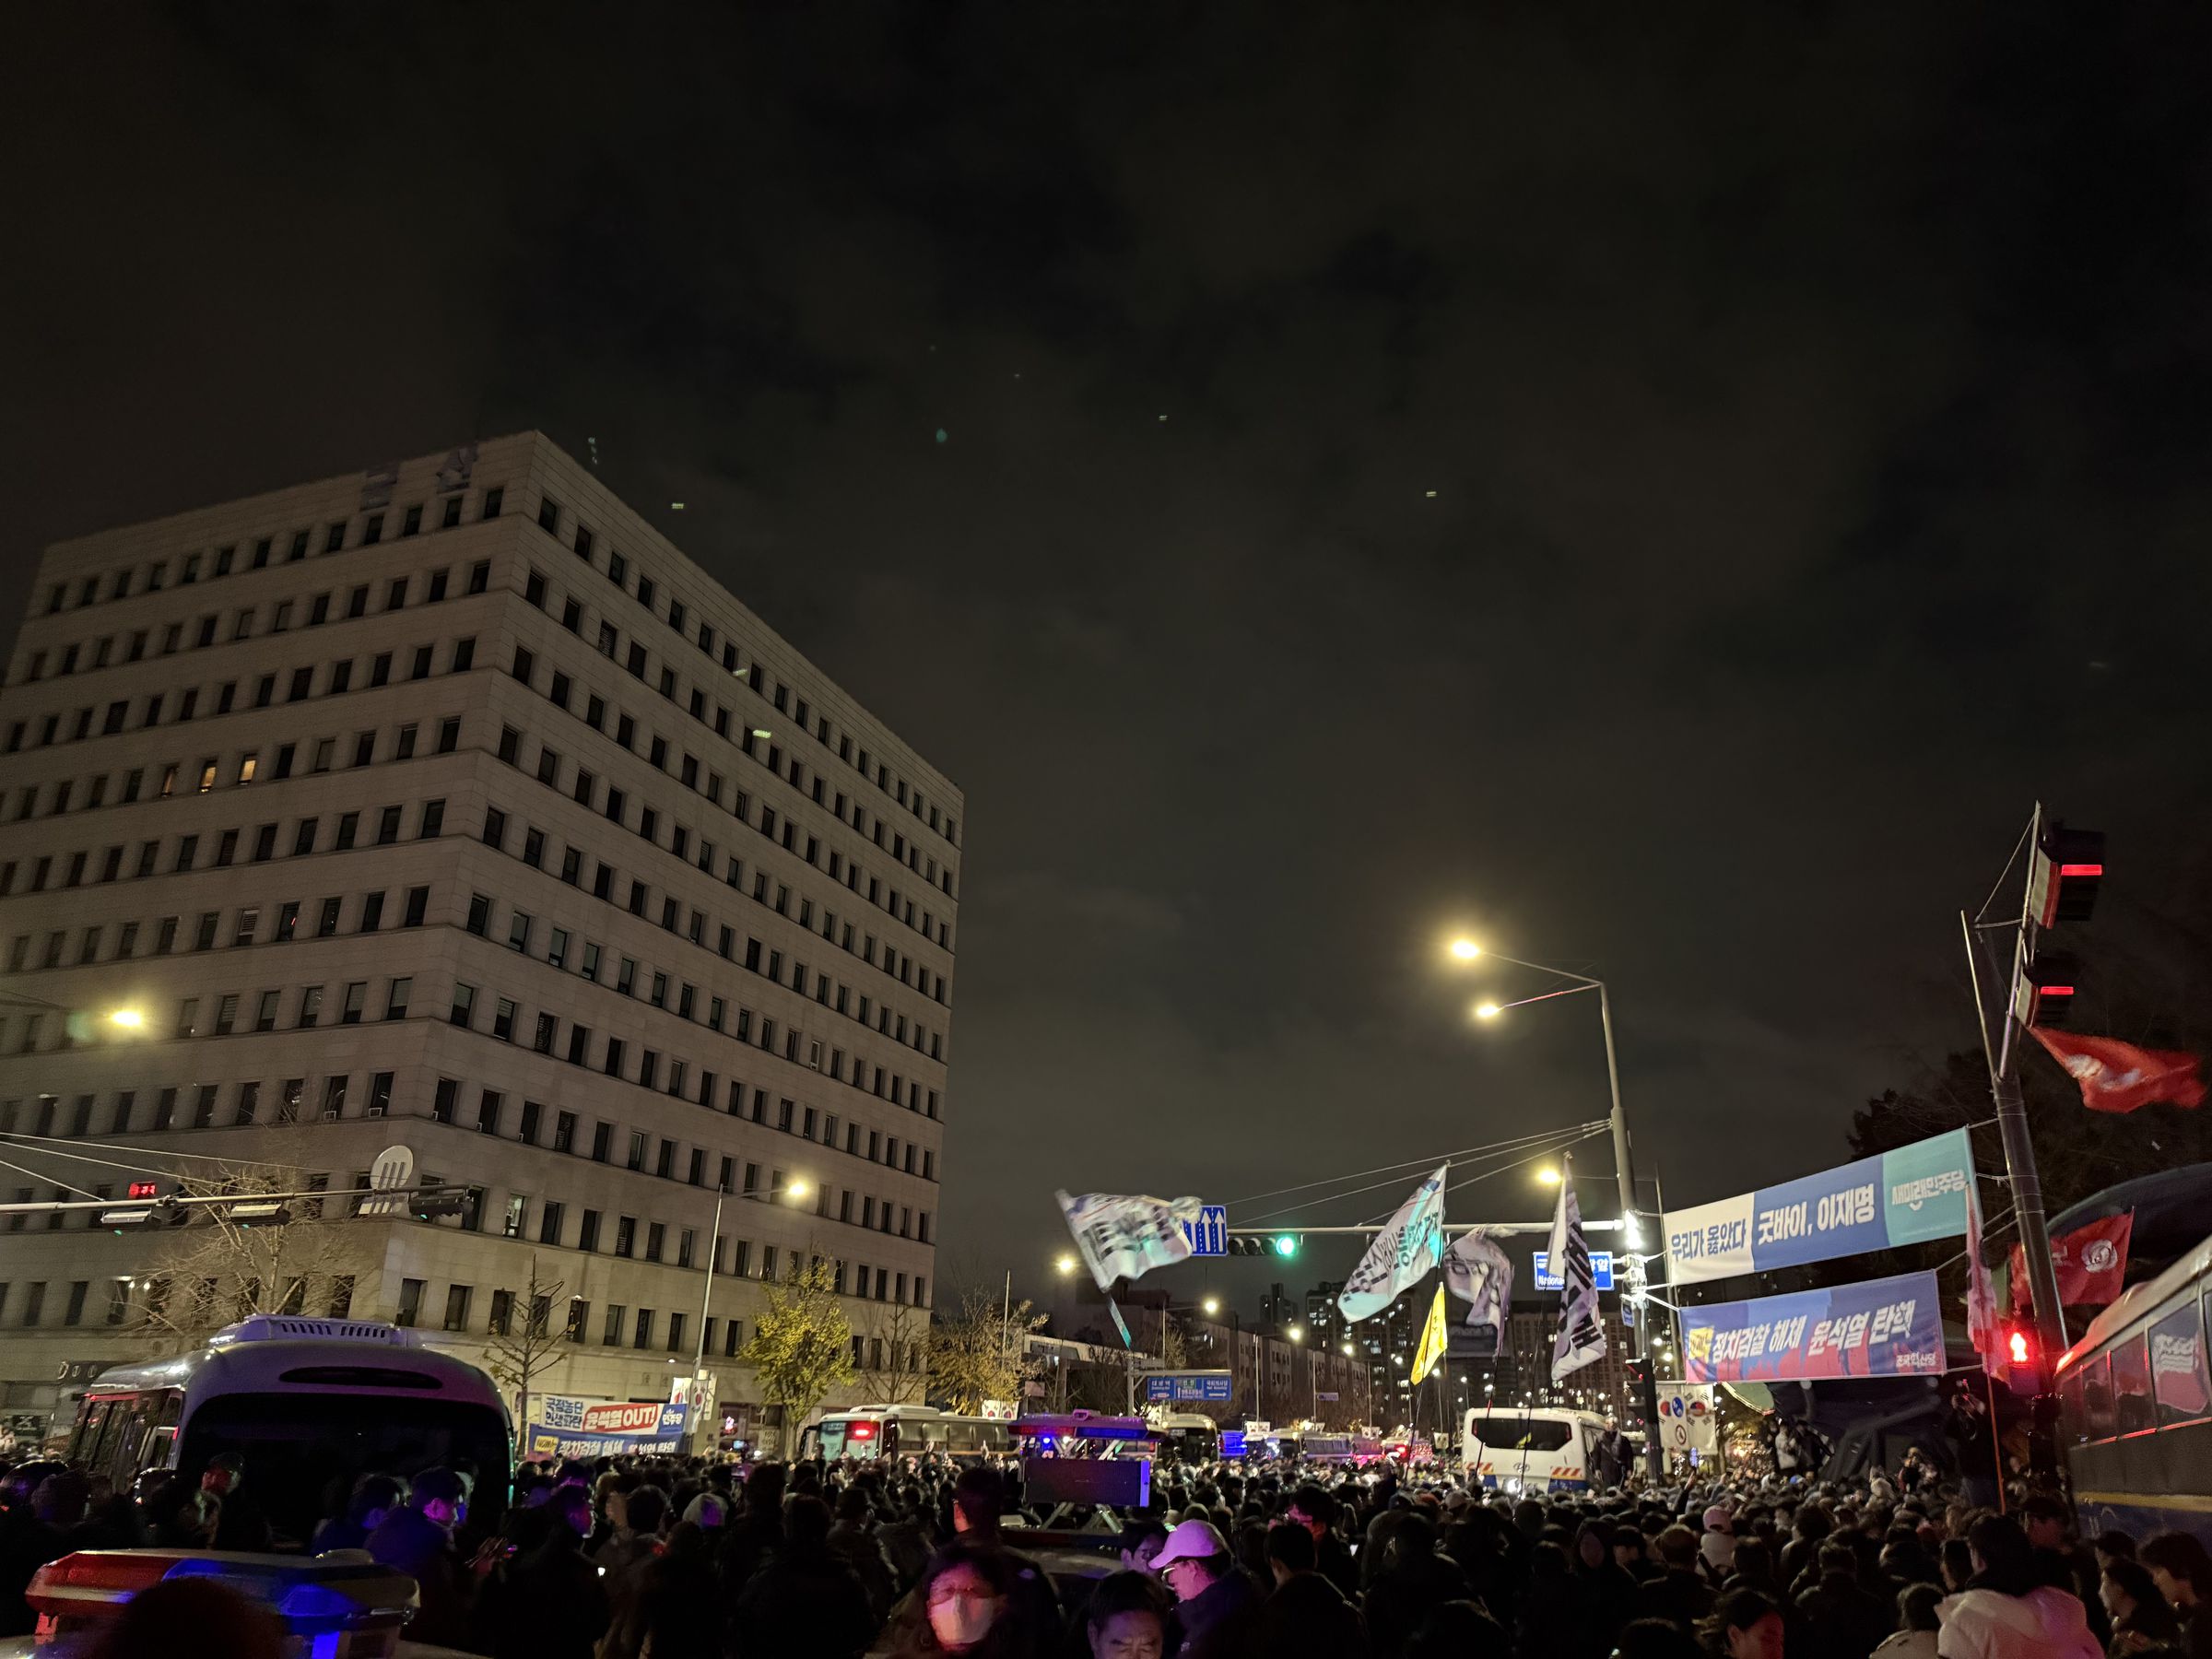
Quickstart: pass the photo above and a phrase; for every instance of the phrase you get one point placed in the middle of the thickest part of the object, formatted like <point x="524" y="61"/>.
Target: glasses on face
<point x="945" y="1596"/>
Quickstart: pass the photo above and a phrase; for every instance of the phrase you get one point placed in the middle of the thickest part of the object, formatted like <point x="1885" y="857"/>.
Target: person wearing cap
<point x="1219" y="1607"/>
<point x="1717" y="1545"/>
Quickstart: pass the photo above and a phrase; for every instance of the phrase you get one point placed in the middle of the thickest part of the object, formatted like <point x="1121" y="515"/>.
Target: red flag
<point x="2119" y="1076"/>
<point x="2091" y="1263"/>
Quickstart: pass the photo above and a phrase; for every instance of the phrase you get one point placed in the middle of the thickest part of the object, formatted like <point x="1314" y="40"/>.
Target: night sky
<point x="1663" y="491"/>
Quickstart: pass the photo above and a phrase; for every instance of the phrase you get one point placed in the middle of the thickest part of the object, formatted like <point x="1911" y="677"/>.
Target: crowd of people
<point x="681" y="1559"/>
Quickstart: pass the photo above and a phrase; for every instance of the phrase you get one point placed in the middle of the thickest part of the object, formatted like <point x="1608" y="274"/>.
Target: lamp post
<point x="1624" y="1167"/>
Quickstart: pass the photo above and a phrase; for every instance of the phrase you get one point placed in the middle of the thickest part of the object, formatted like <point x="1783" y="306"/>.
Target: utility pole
<point x="2001" y="1047"/>
<point x="1624" y="1167"/>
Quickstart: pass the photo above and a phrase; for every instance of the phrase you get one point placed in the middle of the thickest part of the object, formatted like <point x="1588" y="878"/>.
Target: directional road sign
<point x="1601" y="1270"/>
<point x="1210" y="1235"/>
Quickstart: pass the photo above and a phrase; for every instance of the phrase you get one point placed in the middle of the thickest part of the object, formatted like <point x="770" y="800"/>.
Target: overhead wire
<point x="50" y="1140"/>
<point x="1551" y="1151"/>
<point x="1546" y="1142"/>
<point x="1412" y="1163"/>
<point x="55" y="1180"/>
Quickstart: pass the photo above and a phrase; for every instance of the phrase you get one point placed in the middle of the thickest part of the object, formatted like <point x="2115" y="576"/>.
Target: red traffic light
<point x="2020" y="1351"/>
<point x="2065" y="876"/>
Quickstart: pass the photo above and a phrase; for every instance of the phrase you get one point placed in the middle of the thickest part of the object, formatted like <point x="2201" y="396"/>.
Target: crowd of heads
<point x="667" y="1557"/>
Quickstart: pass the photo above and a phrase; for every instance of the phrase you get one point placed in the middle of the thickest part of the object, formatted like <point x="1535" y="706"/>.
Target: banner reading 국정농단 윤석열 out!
<point x="1902" y="1197"/>
<point x="564" y="1426"/>
<point x="1886" y="1327"/>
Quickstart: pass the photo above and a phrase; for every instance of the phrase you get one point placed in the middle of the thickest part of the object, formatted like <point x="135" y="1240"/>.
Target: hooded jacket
<point x="2045" y="1623"/>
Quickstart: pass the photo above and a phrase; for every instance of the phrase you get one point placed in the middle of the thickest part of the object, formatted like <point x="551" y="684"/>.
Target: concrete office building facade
<point x="450" y="805"/>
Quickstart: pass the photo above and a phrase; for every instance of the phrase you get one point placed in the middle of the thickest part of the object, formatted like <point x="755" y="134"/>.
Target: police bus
<point x="870" y="1431"/>
<point x="307" y="1406"/>
<point x="2135" y="1407"/>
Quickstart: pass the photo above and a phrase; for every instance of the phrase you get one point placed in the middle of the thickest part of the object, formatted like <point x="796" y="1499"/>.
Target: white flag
<point x="1480" y="1274"/>
<point x="1401" y="1252"/>
<point x="1581" y="1337"/>
<point x="1127" y="1236"/>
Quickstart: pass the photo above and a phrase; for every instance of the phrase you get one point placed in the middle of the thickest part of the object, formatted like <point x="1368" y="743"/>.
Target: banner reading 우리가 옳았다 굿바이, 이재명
<point x="1902" y="1196"/>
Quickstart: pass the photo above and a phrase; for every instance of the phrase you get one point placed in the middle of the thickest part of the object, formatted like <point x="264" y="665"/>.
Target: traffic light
<point x="1281" y="1246"/>
<point x="429" y="1205"/>
<point x="2045" y="995"/>
<point x="1286" y="1245"/>
<point x="2020" y="1358"/>
<point x="143" y="1216"/>
<point x="2062" y="880"/>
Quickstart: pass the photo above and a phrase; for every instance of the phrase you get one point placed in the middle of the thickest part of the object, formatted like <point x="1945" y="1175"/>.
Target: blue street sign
<point x="1210" y="1387"/>
<point x="1601" y="1271"/>
<point x="1209" y="1236"/>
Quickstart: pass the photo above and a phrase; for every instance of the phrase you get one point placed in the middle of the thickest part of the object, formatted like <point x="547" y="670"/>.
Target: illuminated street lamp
<point x="1065" y="1266"/>
<point x="1212" y="1305"/>
<point x="130" y="1019"/>
<point x="798" y="1192"/>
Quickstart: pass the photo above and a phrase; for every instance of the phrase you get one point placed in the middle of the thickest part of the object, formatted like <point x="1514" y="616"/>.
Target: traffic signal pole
<point x="2001" y="1048"/>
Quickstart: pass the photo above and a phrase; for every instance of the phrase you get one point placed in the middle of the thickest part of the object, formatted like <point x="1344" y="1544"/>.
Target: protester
<point x="1917" y="1624"/>
<point x="2183" y="1572"/>
<point x="1127" y="1618"/>
<point x="1305" y="1615"/>
<point x="2005" y="1612"/>
<point x="2141" y="1618"/>
<point x="1217" y="1605"/>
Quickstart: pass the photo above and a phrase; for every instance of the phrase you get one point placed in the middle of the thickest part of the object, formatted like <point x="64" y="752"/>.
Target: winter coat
<point x="1987" y="1624"/>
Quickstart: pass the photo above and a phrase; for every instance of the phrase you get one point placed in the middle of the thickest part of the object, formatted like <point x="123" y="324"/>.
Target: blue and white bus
<point x="2135" y="1407"/>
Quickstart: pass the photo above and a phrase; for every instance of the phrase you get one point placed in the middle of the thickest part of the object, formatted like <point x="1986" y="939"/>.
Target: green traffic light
<point x="1284" y="1245"/>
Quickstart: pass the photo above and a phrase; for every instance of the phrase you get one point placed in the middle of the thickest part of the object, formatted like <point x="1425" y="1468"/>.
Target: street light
<point x="1547" y="1177"/>
<point x="1212" y="1304"/>
<point x="130" y="1019"/>
<point x="1297" y="1332"/>
<point x="1063" y="1264"/>
<point x="797" y="1192"/>
<point x="1624" y="1167"/>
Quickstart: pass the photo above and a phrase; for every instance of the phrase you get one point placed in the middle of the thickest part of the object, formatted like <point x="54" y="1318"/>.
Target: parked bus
<point x="1358" y="1450"/>
<point x="2135" y="1407"/>
<point x="308" y="1405"/>
<point x="872" y="1432"/>
<point x="1531" y="1449"/>
<point x="1188" y="1437"/>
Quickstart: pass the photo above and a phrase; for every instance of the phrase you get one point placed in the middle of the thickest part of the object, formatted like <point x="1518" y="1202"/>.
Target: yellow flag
<point x="1430" y="1354"/>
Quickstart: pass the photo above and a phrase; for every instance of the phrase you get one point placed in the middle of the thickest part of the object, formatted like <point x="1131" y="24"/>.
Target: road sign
<point x="1212" y="1387"/>
<point x="394" y="1167"/>
<point x="1209" y="1234"/>
<point x="1601" y="1270"/>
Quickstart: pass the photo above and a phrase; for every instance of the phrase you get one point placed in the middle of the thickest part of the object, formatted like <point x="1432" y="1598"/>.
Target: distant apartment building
<point x="451" y="806"/>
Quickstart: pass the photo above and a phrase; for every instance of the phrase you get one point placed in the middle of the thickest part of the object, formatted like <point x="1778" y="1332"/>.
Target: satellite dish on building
<point x="394" y="1167"/>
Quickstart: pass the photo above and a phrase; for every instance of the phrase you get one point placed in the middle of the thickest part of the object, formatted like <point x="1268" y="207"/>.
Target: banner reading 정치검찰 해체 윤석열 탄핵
<point x="1902" y="1197"/>
<point x="1887" y="1327"/>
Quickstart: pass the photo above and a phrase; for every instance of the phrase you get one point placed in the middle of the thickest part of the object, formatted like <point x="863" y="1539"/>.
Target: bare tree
<point x="522" y="1343"/>
<point x="223" y="1265"/>
<point x="895" y="1336"/>
<point x="980" y="1351"/>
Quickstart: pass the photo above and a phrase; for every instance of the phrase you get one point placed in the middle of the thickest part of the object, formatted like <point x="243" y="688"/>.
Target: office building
<point x="450" y="806"/>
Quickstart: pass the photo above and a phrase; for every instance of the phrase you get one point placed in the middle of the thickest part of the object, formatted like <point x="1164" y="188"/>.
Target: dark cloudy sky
<point x="1816" y="412"/>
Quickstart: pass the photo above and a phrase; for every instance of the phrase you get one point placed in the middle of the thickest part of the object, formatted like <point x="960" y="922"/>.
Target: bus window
<point x="2131" y="1385"/>
<point x="2096" y="1395"/>
<point x="2073" y="1423"/>
<point x="90" y="1417"/>
<point x="2179" y="1380"/>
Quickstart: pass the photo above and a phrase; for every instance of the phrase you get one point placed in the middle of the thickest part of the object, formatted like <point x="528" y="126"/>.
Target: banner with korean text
<point x="1902" y="1196"/>
<point x="1887" y="1327"/>
<point x="566" y="1426"/>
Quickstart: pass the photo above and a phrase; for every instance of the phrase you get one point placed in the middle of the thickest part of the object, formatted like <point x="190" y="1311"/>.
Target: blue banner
<point x="1903" y="1196"/>
<point x="1887" y="1327"/>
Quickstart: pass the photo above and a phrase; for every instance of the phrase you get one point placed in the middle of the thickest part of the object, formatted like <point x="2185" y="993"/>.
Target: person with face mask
<point x="964" y="1605"/>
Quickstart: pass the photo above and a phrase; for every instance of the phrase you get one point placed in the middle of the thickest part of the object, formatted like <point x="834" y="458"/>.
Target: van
<point x="1532" y="1449"/>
